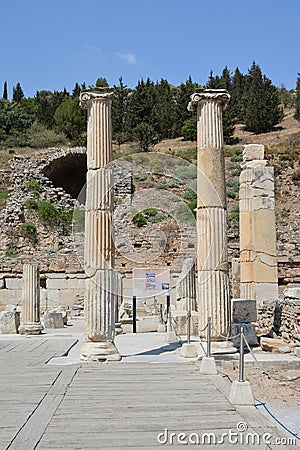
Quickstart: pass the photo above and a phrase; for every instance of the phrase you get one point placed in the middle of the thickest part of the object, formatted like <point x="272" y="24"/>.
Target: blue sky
<point x="53" y="44"/>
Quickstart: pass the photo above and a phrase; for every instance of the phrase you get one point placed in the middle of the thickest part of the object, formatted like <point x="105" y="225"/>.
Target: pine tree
<point x="229" y="120"/>
<point x="118" y="111"/>
<point x="261" y="102"/>
<point x="102" y="82"/>
<point x="76" y="91"/>
<point x="297" y="111"/>
<point x="18" y="93"/>
<point x="5" y="94"/>
<point x="182" y="97"/>
<point x="237" y="91"/>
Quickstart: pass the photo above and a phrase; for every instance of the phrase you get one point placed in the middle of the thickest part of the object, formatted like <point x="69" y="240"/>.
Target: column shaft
<point x="30" y="316"/>
<point x="212" y="258"/>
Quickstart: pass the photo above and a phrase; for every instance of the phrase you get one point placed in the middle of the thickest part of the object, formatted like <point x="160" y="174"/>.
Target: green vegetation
<point x="150" y="112"/>
<point x="11" y="253"/>
<point x="35" y="187"/>
<point x="31" y="204"/>
<point x="29" y="230"/>
<point x="4" y="195"/>
<point x="139" y="219"/>
<point x="233" y="186"/>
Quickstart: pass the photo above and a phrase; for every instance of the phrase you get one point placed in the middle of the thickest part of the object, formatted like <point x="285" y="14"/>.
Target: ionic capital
<point x="95" y="93"/>
<point x="203" y="95"/>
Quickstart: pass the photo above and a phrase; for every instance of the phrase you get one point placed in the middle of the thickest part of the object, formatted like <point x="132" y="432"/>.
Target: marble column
<point x="258" y="267"/>
<point x="30" y="313"/>
<point x="212" y="259"/>
<point x="186" y="286"/>
<point x="100" y="283"/>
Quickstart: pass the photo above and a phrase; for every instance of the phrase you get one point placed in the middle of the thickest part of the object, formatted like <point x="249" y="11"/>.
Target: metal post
<point x="134" y="314"/>
<point x="209" y="336"/>
<point x="168" y="304"/>
<point x="241" y="361"/>
<point x="189" y="327"/>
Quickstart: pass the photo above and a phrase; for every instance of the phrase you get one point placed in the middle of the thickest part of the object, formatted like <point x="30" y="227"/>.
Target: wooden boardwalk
<point x="113" y="405"/>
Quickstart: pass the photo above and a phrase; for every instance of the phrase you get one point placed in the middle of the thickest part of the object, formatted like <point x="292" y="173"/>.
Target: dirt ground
<point x="265" y="388"/>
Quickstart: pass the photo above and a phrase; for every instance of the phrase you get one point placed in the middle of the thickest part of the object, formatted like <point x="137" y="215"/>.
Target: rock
<point x="297" y="352"/>
<point x="9" y="322"/>
<point x="274" y="345"/>
<point x="243" y="311"/>
<point x="53" y="319"/>
<point x="249" y="333"/>
<point x="292" y="292"/>
<point x="285" y="349"/>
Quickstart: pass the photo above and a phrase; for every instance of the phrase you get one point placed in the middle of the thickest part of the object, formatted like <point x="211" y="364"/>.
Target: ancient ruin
<point x="213" y="281"/>
<point x="30" y="314"/>
<point x="99" y="246"/>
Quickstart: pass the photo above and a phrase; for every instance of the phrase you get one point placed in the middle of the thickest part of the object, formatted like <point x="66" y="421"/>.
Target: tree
<point x="18" y="93"/>
<point x="118" y="111"/>
<point x="102" y="82"/>
<point x="5" y="94"/>
<point x="163" y="111"/>
<point x="261" y="102"/>
<point x="229" y="120"/>
<point x="182" y="97"/>
<point x="236" y="92"/>
<point x="76" y="91"/>
<point x="70" y="118"/>
<point x="189" y="129"/>
<point x="47" y="103"/>
<point x="145" y="135"/>
<point x="297" y="105"/>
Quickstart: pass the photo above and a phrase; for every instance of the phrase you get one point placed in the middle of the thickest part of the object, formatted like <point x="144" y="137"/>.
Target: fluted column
<point x="100" y="284"/>
<point x="212" y="259"/>
<point x="30" y="314"/>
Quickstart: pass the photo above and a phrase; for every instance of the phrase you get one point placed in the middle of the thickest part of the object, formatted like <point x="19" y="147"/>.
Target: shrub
<point x="11" y="253"/>
<point x="190" y="194"/>
<point x="29" y="230"/>
<point x="157" y="218"/>
<point x="236" y="158"/>
<point x="34" y="186"/>
<point x="4" y="195"/>
<point x="183" y="214"/>
<point x="193" y="205"/>
<point x="48" y="212"/>
<point x="150" y="212"/>
<point x="31" y="204"/>
<point x="186" y="172"/>
<point x="139" y="219"/>
<point x="284" y="214"/>
<point x="41" y="137"/>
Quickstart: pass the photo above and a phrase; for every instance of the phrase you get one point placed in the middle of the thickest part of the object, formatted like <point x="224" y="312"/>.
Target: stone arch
<point x="67" y="169"/>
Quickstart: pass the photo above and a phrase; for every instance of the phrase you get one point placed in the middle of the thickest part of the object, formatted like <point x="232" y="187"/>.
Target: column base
<point x="188" y="351"/>
<point x="208" y="366"/>
<point x="31" y="328"/>
<point x="241" y="394"/>
<point x="118" y="328"/>
<point x="95" y="351"/>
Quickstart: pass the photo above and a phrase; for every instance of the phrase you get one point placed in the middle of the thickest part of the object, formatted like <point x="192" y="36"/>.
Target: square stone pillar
<point x="212" y="259"/>
<point x="101" y="282"/>
<point x="258" y="256"/>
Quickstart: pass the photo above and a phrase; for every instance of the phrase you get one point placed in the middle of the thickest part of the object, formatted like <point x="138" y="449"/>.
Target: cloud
<point x="129" y="57"/>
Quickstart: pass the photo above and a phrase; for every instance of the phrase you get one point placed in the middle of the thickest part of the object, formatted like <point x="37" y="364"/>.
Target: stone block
<point x="9" y="322"/>
<point x="57" y="283"/>
<point x="297" y="352"/>
<point x="249" y="333"/>
<point x="292" y="292"/>
<point x="243" y="311"/>
<point x="9" y="296"/>
<point x="53" y="319"/>
<point x="13" y="283"/>
<point x="273" y="345"/>
<point x="253" y="151"/>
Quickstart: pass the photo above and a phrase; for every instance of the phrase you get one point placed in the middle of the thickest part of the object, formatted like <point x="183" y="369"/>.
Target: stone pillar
<point x="213" y="280"/>
<point x="259" y="280"/>
<point x="100" y="284"/>
<point x="30" y="314"/>
<point x="186" y="286"/>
